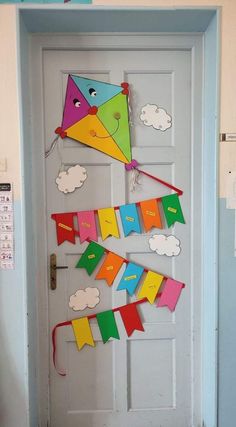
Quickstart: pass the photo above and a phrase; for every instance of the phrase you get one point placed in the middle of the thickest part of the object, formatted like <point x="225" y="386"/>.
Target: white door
<point x="152" y="378"/>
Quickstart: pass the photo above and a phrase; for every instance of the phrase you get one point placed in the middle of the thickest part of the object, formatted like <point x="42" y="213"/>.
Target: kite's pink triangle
<point x="76" y="106"/>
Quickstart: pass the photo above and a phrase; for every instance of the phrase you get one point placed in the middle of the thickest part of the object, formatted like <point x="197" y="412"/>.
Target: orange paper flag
<point x="150" y="214"/>
<point x="110" y="268"/>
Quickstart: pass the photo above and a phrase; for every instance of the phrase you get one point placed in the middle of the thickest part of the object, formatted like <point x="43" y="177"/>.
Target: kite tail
<point x="60" y="133"/>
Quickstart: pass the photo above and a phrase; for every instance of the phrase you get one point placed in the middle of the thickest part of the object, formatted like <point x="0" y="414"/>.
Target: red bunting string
<point x="166" y="184"/>
<point x="91" y="316"/>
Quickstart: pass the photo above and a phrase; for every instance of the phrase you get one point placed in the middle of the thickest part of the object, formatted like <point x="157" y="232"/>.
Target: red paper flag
<point x="65" y="227"/>
<point x="131" y="319"/>
<point x="110" y="268"/>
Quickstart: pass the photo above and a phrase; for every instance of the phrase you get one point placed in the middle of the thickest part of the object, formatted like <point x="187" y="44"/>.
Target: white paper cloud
<point x="84" y="298"/>
<point x="152" y="115"/>
<point x="165" y="245"/>
<point x="74" y="177"/>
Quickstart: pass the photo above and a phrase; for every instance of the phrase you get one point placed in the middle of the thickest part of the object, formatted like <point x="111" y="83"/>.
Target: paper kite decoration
<point x="96" y="114"/>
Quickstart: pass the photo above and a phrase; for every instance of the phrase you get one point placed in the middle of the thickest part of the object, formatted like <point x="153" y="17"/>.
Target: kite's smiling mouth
<point x="94" y="134"/>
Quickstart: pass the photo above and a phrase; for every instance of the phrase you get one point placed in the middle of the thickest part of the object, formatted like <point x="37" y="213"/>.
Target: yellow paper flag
<point x="150" y="286"/>
<point x="108" y="223"/>
<point x="82" y="331"/>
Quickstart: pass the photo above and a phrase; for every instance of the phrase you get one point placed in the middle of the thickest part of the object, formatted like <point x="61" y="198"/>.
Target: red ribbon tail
<point x="180" y="192"/>
<point x="54" y="346"/>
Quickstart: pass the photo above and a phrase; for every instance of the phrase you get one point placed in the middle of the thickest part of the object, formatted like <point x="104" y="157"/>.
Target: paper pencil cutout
<point x="110" y="268"/>
<point x="150" y="287"/>
<point x="65" y="227"/>
<point x="172" y="209"/>
<point x="107" y="325"/>
<point x="130" y="278"/>
<point x="91" y="257"/>
<point x="82" y="332"/>
<point x="170" y="294"/>
<point x="96" y="114"/>
<point x="130" y="316"/>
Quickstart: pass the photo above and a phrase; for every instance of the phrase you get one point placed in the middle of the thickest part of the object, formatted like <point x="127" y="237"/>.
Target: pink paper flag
<point x="170" y="294"/>
<point x="87" y="226"/>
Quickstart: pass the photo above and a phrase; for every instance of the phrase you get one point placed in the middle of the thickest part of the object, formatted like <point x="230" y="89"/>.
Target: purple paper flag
<point x="170" y="294"/>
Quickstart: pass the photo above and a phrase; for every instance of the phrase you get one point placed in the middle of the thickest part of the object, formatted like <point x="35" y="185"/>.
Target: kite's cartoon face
<point x="96" y="114"/>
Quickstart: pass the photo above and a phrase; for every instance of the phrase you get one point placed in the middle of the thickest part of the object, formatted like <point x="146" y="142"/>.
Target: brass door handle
<point x="53" y="271"/>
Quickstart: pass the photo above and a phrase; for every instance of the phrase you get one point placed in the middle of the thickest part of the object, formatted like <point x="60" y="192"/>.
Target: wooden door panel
<point x="144" y="380"/>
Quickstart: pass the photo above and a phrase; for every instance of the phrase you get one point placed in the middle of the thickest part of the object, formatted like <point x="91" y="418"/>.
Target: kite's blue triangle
<point x="96" y="92"/>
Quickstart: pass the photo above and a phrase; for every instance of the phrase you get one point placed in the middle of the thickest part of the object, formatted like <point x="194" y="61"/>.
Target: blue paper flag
<point x="130" y="219"/>
<point x="130" y="278"/>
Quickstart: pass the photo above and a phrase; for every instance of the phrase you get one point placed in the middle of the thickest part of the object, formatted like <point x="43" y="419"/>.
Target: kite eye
<point x="76" y="103"/>
<point x="92" y="92"/>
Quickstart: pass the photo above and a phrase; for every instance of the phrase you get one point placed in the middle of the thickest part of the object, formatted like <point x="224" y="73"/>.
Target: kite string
<point x="52" y="146"/>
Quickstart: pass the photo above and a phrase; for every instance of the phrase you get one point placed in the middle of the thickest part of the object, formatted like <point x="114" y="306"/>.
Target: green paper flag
<point x="172" y="209"/>
<point x="91" y="257"/>
<point x="107" y="325"/>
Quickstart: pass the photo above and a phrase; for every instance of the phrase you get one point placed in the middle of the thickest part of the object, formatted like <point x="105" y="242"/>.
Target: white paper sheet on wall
<point x="231" y="190"/>
<point x="6" y="227"/>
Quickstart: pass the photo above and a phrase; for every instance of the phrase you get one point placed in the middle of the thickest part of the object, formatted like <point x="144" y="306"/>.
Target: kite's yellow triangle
<point x="90" y="131"/>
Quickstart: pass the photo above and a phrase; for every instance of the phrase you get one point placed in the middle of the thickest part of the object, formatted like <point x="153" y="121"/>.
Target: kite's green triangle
<point x="96" y="92"/>
<point x="114" y="115"/>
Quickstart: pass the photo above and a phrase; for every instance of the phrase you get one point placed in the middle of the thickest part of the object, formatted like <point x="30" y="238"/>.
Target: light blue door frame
<point x="77" y="18"/>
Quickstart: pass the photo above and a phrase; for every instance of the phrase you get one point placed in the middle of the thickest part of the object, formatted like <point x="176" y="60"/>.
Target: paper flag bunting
<point x="91" y="257"/>
<point x="108" y="223"/>
<point x="150" y="287"/>
<point x="172" y="209"/>
<point x="110" y="268"/>
<point x="96" y="114"/>
<point x="107" y="325"/>
<point x="65" y="227"/>
<point x="170" y="294"/>
<point x="150" y="213"/>
<point x="82" y="331"/>
<point x="130" y="219"/>
<point x="131" y="278"/>
<point x="131" y="319"/>
<point x="87" y="225"/>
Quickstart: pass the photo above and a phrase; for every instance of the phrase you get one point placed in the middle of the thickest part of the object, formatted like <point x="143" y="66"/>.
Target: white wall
<point x="13" y="313"/>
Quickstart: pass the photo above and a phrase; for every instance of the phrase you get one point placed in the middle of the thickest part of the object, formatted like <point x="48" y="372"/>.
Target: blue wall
<point x="13" y="335"/>
<point x="227" y="317"/>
